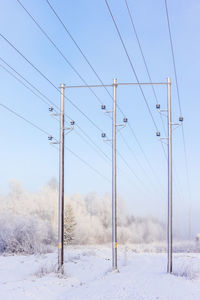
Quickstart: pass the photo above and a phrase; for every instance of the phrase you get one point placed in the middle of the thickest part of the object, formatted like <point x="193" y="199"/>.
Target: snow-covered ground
<point x="88" y="275"/>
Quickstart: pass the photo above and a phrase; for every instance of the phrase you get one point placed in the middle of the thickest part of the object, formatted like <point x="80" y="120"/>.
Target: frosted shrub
<point x="46" y="269"/>
<point x="28" y="221"/>
<point x="183" y="268"/>
<point x="24" y="235"/>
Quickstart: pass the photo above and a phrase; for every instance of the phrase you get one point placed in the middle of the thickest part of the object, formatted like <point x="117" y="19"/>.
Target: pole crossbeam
<point x="111" y="85"/>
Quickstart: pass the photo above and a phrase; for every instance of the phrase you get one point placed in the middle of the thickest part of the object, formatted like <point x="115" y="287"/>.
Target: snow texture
<point x="88" y="276"/>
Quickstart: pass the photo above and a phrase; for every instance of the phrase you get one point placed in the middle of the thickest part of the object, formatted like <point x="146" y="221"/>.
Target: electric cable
<point x="46" y="133"/>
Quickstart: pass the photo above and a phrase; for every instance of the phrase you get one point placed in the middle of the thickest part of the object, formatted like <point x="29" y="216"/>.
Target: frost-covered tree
<point x="69" y="224"/>
<point x="28" y="221"/>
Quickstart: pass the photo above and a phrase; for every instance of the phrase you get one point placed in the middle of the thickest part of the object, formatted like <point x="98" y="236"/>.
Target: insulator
<point x="103" y="106"/>
<point x="180" y="119"/>
<point x="158" y="133"/>
<point x="158" y="106"/>
<point x="51" y="108"/>
<point x="72" y="122"/>
<point x="50" y="137"/>
<point x="125" y="120"/>
<point x="103" y="135"/>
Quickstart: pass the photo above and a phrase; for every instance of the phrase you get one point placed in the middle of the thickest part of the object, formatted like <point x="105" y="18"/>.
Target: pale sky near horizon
<point x="25" y="152"/>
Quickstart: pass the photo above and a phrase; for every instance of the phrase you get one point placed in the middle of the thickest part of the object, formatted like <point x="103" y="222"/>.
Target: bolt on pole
<point x="114" y="178"/>
<point x="169" y="228"/>
<point x="61" y="184"/>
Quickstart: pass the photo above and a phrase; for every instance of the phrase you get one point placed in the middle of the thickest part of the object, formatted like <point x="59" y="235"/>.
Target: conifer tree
<point x="69" y="225"/>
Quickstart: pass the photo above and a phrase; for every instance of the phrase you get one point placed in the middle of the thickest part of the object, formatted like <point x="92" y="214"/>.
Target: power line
<point x="131" y="64"/>
<point x="50" y="82"/>
<point x="138" y="162"/>
<point x="68" y="149"/>
<point x="46" y="133"/>
<point x="173" y="57"/>
<point x="51" y="41"/>
<point x="82" y="53"/>
<point x="91" y="145"/>
<point x="86" y="59"/>
<point x="137" y="79"/>
<point x="145" y="191"/>
<point x="87" y="136"/>
<point x="144" y="59"/>
<point x="90" y="139"/>
<point x="78" y="47"/>
<point x="32" y="64"/>
<point x="45" y="77"/>
<point x="178" y="95"/>
<point x="98" y="77"/>
<point x="87" y="164"/>
<point x="63" y="54"/>
<point x="144" y="154"/>
<point x="20" y="81"/>
<point x="66" y="60"/>
<point x="26" y="120"/>
<point x="60" y="52"/>
<point x="131" y="151"/>
<point x="44" y="96"/>
<point x="131" y="170"/>
<point x="51" y="102"/>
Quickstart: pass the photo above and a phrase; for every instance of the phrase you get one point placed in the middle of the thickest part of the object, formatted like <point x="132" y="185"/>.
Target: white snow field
<point x="88" y="275"/>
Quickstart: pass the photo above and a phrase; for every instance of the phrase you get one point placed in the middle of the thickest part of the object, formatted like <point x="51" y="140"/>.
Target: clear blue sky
<point x="26" y="154"/>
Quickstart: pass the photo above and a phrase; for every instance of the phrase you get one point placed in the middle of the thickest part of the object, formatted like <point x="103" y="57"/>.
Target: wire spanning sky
<point x="26" y="154"/>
